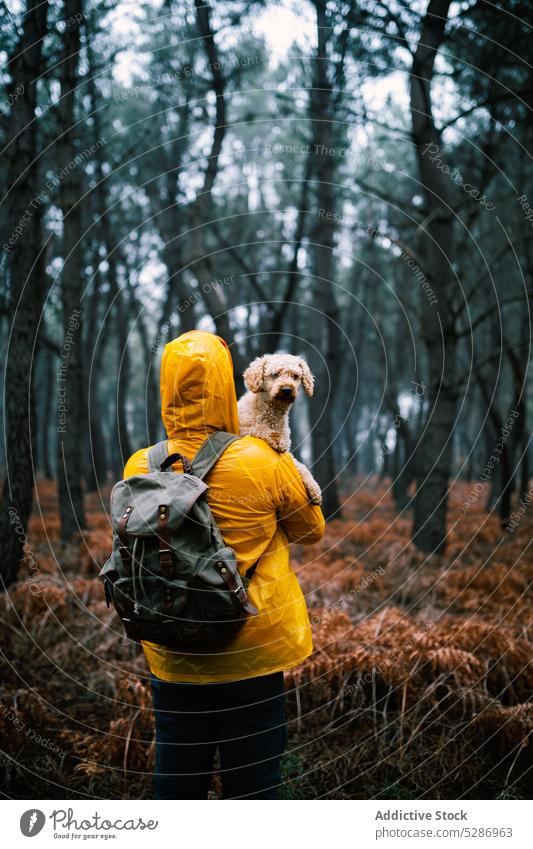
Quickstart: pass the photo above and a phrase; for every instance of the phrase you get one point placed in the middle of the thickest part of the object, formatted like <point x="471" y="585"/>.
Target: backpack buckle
<point x="165" y="552"/>
<point x="244" y="601"/>
<point x="240" y="594"/>
<point x="125" y="554"/>
<point x="237" y="590"/>
<point x="132" y="629"/>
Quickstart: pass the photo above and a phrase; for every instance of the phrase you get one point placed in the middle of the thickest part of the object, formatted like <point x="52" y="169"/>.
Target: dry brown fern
<point x="514" y="723"/>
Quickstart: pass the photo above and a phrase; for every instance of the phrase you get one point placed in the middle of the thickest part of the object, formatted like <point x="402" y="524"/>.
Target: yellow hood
<point x="197" y="386"/>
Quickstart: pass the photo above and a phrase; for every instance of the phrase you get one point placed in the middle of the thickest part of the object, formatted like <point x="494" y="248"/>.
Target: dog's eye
<point x="274" y="374"/>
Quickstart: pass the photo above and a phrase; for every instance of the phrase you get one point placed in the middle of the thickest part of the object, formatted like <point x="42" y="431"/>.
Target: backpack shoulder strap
<point x="212" y="449"/>
<point x="156" y="455"/>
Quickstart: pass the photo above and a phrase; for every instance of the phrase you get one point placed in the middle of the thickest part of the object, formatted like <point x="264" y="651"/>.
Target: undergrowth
<point x="419" y="686"/>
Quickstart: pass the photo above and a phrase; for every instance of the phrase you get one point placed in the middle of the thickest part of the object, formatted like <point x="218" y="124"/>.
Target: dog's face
<point x="279" y="377"/>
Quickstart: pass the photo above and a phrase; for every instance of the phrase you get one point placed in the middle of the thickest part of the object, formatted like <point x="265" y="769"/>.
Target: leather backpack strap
<point x="156" y="455"/>
<point x="212" y="449"/>
<point x="239" y="592"/>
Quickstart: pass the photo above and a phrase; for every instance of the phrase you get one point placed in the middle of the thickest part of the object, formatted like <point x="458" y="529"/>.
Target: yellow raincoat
<point x="259" y="503"/>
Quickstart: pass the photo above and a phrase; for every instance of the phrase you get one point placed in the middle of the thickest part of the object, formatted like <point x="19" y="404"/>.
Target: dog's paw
<point x="313" y="490"/>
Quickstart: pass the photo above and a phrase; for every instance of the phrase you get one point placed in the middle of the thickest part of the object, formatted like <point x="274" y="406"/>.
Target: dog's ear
<point x="308" y="381"/>
<point x="254" y="374"/>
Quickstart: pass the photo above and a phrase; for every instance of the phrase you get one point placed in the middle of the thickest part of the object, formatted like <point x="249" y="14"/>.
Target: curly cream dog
<point x="273" y="381"/>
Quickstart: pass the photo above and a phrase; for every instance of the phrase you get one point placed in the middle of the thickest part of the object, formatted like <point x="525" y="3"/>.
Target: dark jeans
<point x="245" y="720"/>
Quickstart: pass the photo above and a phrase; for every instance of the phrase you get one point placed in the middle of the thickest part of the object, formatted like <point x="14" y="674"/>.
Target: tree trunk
<point x="279" y="316"/>
<point x="154" y="428"/>
<point x="97" y="472"/>
<point x="434" y="453"/>
<point x="325" y="356"/>
<point x="169" y="222"/>
<point x="212" y="295"/>
<point x="404" y="473"/>
<point x="502" y="450"/>
<point x="518" y="411"/>
<point x="44" y="432"/>
<point x="471" y="448"/>
<point x="524" y="467"/>
<point x="71" y="382"/>
<point x="26" y="290"/>
<point x="96" y="461"/>
<point x="96" y="456"/>
<point x="123" y="364"/>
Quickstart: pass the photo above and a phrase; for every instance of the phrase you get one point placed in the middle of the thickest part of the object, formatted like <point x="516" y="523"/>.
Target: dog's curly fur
<point x="273" y="381"/>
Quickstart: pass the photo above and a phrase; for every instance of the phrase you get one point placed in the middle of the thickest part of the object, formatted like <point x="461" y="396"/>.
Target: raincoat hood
<point x="197" y="386"/>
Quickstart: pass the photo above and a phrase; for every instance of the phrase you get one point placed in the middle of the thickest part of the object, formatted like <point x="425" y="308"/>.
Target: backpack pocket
<point x="146" y="599"/>
<point x="174" y="613"/>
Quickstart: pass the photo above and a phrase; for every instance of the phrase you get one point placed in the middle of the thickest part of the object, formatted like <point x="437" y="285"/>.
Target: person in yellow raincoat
<point x="231" y="700"/>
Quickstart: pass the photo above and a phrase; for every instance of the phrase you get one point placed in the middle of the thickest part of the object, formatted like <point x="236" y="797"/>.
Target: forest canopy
<point x="356" y="192"/>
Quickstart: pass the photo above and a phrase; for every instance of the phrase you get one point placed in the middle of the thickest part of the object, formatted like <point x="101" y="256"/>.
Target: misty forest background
<point x="346" y="181"/>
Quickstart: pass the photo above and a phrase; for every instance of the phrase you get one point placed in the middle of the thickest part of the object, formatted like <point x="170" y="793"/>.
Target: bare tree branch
<point x="487" y="313"/>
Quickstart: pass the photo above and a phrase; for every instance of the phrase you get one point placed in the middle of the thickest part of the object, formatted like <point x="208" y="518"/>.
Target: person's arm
<point x="137" y="464"/>
<point x="302" y="521"/>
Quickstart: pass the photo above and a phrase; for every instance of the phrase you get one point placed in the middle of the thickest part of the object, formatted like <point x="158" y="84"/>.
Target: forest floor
<point x="418" y="686"/>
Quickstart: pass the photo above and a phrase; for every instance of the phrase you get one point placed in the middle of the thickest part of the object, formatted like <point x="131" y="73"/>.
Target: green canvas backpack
<point x="170" y="577"/>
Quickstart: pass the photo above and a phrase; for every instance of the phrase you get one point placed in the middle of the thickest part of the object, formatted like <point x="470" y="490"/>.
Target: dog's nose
<point x="286" y="391"/>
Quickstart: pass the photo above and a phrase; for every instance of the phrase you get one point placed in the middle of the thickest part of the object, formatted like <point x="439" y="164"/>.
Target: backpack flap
<point x="144" y="494"/>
